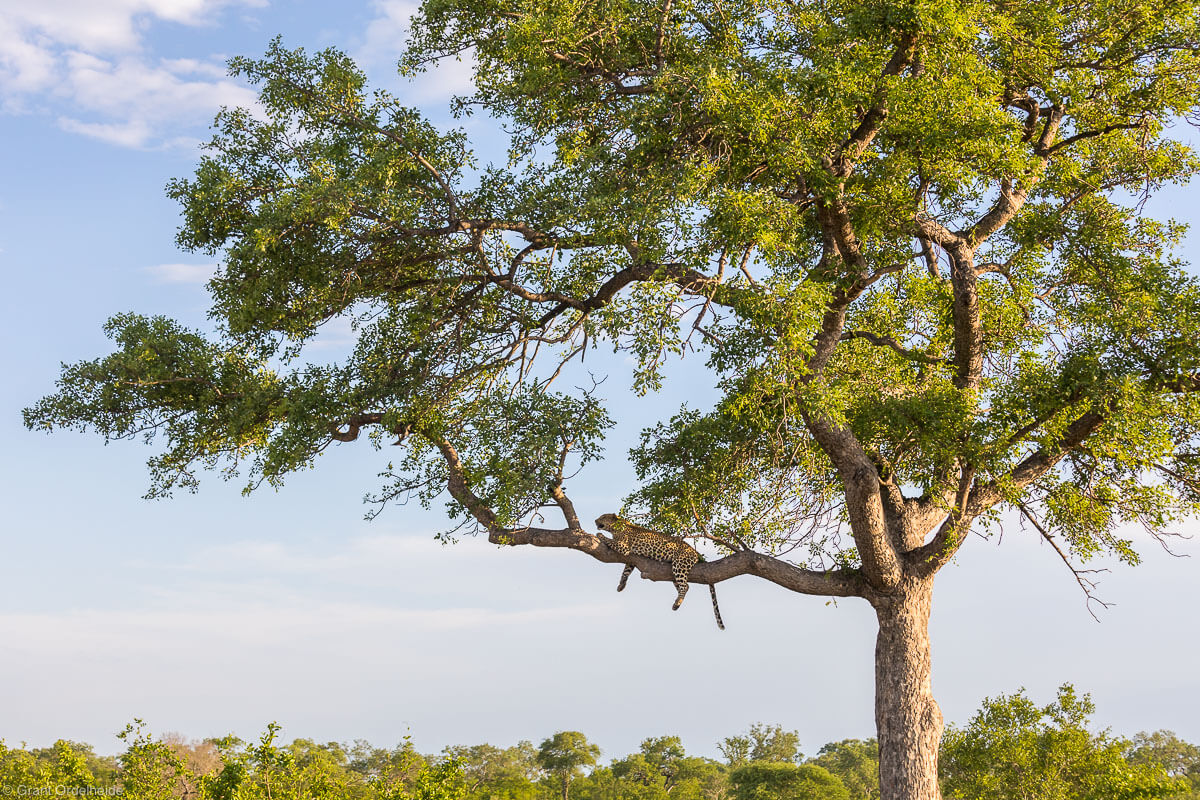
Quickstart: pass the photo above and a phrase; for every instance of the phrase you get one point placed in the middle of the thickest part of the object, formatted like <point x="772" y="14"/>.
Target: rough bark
<point x="908" y="719"/>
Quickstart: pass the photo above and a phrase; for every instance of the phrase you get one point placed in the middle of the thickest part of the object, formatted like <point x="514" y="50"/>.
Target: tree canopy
<point x="564" y="755"/>
<point x="905" y="237"/>
<point x="762" y="743"/>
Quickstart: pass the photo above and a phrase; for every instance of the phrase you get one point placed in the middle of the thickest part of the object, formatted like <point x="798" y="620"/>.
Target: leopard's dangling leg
<point x="681" y="583"/>
<point x="681" y="570"/>
<point x="624" y="577"/>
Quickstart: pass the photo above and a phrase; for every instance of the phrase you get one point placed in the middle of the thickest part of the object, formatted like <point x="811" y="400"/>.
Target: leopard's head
<point x="610" y="522"/>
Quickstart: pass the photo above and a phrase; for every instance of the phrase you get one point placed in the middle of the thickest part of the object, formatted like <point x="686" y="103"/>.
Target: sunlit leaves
<point x="1014" y="748"/>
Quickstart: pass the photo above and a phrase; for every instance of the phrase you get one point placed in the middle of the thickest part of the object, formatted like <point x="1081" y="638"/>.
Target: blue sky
<point x="213" y="613"/>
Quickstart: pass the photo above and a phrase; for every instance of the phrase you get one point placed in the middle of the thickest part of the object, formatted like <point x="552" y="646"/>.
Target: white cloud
<point x="107" y="25"/>
<point x="85" y="61"/>
<point x="386" y="34"/>
<point x="147" y="100"/>
<point x="192" y="66"/>
<point x="134" y="133"/>
<point x="386" y="31"/>
<point x="90" y="65"/>
<point x="183" y="273"/>
<point x="26" y="64"/>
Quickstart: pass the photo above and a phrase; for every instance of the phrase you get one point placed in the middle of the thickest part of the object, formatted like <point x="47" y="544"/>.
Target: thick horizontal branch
<point x="348" y="430"/>
<point x="830" y="583"/>
<point x="834" y="583"/>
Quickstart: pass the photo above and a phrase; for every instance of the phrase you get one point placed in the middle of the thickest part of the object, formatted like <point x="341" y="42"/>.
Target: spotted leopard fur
<point x="633" y="540"/>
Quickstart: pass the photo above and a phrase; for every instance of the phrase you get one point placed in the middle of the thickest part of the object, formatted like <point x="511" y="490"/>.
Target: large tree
<point x="906" y="237"/>
<point x="564" y="756"/>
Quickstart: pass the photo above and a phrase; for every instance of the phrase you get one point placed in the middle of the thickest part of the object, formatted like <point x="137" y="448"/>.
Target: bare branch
<point x="1086" y="584"/>
<point x="1011" y="198"/>
<point x="931" y="557"/>
<point x="888" y="341"/>
<point x="931" y="259"/>
<point x="972" y="499"/>
<point x="1039" y="463"/>
<point x="659" y="59"/>
<point x="864" y="502"/>
<point x="927" y="228"/>
<point x="460" y="488"/>
<point x="560" y="496"/>
<point x="1079" y="137"/>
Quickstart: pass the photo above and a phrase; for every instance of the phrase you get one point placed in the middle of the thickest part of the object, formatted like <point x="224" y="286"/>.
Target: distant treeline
<point x="1011" y="748"/>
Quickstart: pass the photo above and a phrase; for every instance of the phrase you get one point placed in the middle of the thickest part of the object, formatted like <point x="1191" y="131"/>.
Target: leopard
<point x="629" y="539"/>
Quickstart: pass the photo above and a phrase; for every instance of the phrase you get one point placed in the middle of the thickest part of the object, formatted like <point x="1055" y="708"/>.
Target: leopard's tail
<point x="712" y="588"/>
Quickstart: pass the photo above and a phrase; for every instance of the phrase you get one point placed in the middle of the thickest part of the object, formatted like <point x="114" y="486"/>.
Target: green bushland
<point x="1011" y="748"/>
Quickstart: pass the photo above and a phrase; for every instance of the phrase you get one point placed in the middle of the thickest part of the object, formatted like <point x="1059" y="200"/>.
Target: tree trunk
<point x="907" y="717"/>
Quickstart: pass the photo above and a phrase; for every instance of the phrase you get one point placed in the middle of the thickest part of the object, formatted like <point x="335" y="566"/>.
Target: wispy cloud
<point x="89" y="64"/>
<point x="354" y="557"/>
<point x="109" y="25"/>
<point x="183" y="273"/>
<point x="151" y="630"/>
<point x="387" y="31"/>
<point x="86" y="63"/>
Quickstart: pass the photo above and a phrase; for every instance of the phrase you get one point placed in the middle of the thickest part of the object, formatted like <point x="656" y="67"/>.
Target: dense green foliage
<point x="1179" y="758"/>
<point x="781" y="781"/>
<point x="40" y="771"/>
<point x="230" y="769"/>
<point x="761" y="743"/>
<point x="1014" y="750"/>
<point x="856" y="763"/>
<point x="1011" y="749"/>
<point x="660" y="770"/>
